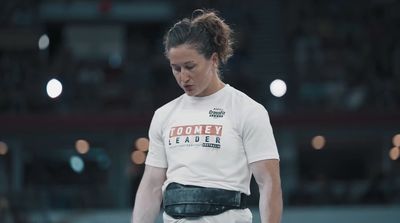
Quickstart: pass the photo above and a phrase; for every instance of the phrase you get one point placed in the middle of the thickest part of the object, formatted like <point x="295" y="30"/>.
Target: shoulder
<point x="245" y="103"/>
<point x="166" y="109"/>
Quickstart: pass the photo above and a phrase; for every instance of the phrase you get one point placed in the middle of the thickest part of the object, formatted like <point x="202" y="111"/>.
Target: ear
<point x="215" y="59"/>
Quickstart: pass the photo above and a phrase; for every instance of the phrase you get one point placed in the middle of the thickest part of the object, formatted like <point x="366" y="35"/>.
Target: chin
<point x="193" y="94"/>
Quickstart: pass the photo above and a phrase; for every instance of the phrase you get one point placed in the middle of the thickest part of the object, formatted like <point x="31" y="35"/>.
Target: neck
<point x="217" y="84"/>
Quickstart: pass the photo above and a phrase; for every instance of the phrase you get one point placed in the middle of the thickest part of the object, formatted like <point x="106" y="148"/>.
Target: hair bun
<point x="207" y="32"/>
<point x="220" y="32"/>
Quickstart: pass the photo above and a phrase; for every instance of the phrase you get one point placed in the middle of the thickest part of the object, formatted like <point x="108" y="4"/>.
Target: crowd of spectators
<point x="135" y="80"/>
<point x="346" y="54"/>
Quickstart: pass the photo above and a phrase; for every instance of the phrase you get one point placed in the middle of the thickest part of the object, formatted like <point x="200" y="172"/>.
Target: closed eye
<point x="190" y="67"/>
<point x="187" y="66"/>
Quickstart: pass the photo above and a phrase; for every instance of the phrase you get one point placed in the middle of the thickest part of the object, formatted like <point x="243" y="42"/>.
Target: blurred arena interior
<point x="80" y="80"/>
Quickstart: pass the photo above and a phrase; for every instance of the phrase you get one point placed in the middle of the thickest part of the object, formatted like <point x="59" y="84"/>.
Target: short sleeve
<point x="258" y="138"/>
<point x="156" y="156"/>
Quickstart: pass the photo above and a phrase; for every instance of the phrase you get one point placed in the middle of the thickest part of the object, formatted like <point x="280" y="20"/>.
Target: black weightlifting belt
<point x="182" y="201"/>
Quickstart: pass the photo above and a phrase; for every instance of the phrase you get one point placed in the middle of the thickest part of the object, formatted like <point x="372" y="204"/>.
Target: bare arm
<point x="266" y="174"/>
<point x="149" y="196"/>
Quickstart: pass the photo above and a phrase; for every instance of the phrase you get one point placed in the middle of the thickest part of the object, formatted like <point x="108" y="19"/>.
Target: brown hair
<point x="206" y="31"/>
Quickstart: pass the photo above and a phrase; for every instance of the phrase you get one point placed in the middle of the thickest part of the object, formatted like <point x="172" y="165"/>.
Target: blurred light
<point x="54" y="88"/>
<point x="76" y="164"/>
<point x="82" y="146"/>
<point x="142" y="144"/>
<point x="138" y="157"/>
<point x="394" y="153"/>
<point x="115" y="60"/>
<point x="318" y="142"/>
<point x="44" y="42"/>
<point x="396" y="140"/>
<point x="3" y="148"/>
<point x="278" y="88"/>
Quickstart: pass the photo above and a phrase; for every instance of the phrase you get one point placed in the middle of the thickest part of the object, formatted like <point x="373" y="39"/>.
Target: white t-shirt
<point x="210" y="141"/>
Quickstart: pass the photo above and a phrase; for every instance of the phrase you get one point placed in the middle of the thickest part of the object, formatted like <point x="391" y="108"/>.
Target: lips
<point x="188" y="87"/>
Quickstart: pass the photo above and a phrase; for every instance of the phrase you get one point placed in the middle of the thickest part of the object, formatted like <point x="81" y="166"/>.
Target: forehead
<point x="184" y="53"/>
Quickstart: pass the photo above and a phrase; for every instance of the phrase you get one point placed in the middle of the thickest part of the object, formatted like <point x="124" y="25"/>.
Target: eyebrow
<point x="186" y="63"/>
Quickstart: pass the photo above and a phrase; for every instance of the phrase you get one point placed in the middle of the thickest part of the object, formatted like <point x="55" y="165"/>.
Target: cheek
<point x="175" y="74"/>
<point x="203" y="80"/>
<point x="207" y="74"/>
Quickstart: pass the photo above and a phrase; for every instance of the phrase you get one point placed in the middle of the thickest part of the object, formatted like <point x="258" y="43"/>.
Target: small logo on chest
<point x="216" y="113"/>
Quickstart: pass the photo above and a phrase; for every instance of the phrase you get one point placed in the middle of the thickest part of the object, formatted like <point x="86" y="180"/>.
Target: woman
<point x="205" y="144"/>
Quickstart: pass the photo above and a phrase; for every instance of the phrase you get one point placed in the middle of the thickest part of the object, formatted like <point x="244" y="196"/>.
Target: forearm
<point x="271" y="204"/>
<point x="147" y="204"/>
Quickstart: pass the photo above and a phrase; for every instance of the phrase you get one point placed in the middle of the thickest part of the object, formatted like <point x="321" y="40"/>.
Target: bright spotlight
<point x="54" y="88"/>
<point x="278" y="88"/>
<point x="394" y="153"/>
<point x="138" y="157"/>
<point x="396" y="140"/>
<point x="77" y="164"/>
<point x="82" y="146"/>
<point x="142" y="144"/>
<point x="44" y="42"/>
<point x="318" y="142"/>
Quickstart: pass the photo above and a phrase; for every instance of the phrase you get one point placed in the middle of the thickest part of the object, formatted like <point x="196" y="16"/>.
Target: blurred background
<point x="80" y="80"/>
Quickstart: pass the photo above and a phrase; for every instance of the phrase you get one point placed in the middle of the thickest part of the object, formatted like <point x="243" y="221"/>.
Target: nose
<point x="184" y="77"/>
